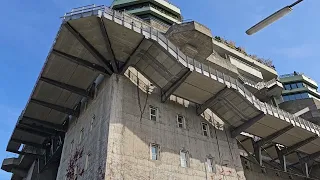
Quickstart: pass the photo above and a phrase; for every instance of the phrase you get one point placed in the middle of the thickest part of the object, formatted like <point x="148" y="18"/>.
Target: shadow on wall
<point x="206" y="152"/>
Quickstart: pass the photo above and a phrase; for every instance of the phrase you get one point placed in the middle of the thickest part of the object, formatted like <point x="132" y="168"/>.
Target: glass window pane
<point x="291" y="97"/>
<point x="285" y="98"/>
<point x="294" y="86"/>
<point x="287" y="87"/>
<point x="300" y="85"/>
<point x="298" y="96"/>
<point x="183" y="158"/>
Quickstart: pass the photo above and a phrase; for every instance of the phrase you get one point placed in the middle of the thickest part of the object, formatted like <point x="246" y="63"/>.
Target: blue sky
<point x="28" y="29"/>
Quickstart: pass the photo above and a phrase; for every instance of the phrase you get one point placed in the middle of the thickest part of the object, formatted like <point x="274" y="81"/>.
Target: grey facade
<point x="119" y="98"/>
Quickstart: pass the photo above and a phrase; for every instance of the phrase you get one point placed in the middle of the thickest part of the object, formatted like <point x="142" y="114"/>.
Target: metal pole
<point x="295" y="3"/>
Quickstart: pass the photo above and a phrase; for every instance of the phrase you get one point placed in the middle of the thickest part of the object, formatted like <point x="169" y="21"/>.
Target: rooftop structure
<point x="298" y="86"/>
<point x="118" y="98"/>
<point x="158" y="12"/>
<point x="301" y="96"/>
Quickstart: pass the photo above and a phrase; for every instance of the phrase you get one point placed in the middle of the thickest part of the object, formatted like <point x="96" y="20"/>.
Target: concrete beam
<point x="296" y="146"/>
<point x="56" y="107"/>
<point x="89" y="47"/>
<point x="236" y="131"/>
<point x="166" y="94"/>
<point x="39" y="128"/>
<point x="32" y="131"/>
<point x="36" y="145"/>
<point x="76" y="90"/>
<point x="108" y="44"/>
<point x="20" y="172"/>
<point x="201" y="108"/>
<point x="81" y="62"/>
<point x="56" y="127"/>
<point x="128" y="62"/>
<point x="273" y="136"/>
<point x="23" y="153"/>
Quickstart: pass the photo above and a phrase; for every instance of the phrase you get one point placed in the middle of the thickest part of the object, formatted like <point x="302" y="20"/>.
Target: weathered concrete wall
<point x="93" y="145"/>
<point x="129" y="141"/>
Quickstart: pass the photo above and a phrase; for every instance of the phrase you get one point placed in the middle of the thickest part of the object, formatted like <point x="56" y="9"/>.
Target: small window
<point x="154" y="150"/>
<point x="184" y="158"/>
<point x="300" y="85"/>
<point x="210" y="165"/>
<point x="287" y="87"/>
<point x="294" y="86"/>
<point x="153" y="113"/>
<point x="71" y="146"/>
<point x="87" y="162"/>
<point x="181" y="121"/>
<point x="92" y="121"/>
<point x="285" y="98"/>
<point x="298" y="96"/>
<point x="205" y="129"/>
<point x="81" y="135"/>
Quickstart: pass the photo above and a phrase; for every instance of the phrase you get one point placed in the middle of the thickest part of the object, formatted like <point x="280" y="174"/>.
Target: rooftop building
<point x="122" y="98"/>
<point x="159" y="13"/>
<point x="301" y="96"/>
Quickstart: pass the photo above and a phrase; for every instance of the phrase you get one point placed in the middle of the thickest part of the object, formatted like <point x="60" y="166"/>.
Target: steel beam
<point x="56" y="107"/>
<point x="81" y="62"/>
<point x="236" y="131"/>
<point x="32" y="131"/>
<point x="201" y="108"/>
<point x="89" y="47"/>
<point x="308" y="158"/>
<point x="56" y="127"/>
<point x="257" y="153"/>
<point x="108" y="44"/>
<point x="76" y="90"/>
<point x="27" y="143"/>
<point x="128" y="62"/>
<point x="273" y="136"/>
<point x="282" y="159"/>
<point x="296" y="146"/>
<point x="167" y="93"/>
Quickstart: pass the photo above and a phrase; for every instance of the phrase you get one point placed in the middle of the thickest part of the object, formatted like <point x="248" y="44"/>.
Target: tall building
<point x="120" y="98"/>
<point x="301" y="96"/>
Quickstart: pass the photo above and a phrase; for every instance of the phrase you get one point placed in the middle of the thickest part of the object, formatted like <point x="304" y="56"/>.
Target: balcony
<point x="267" y="72"/>
<point x="246" y="69"/>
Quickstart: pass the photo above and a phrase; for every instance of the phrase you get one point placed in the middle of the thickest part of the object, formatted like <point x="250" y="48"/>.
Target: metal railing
<point x="151" y="33"/>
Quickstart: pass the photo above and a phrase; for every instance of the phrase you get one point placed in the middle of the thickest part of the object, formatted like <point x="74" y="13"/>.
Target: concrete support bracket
<point x="89" y="47"/>
<point x="201" y="108"/>
<point x="236" y="131"/>
<point x="76" y="90"/>
<point x="273" y="136"/>
<point x="56" y="107"/>
<point x="296" y="146"/>
<point x="82" y="62"/>
<point x="108" y="44"/>
<point x="167" y="93"/>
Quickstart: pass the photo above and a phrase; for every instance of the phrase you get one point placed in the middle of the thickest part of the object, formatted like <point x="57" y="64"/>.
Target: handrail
<point x="151" y="33"/>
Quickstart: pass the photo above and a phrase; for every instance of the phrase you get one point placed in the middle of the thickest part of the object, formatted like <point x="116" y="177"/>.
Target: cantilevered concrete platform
<point x="98" y="41"/>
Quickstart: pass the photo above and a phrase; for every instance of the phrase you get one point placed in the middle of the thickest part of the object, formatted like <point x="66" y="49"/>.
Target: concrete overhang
<point x="159" y="60"/>
<point x="192" y="38"/>
<point x="267" y="72"/>
<point x="155" y="12"/>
